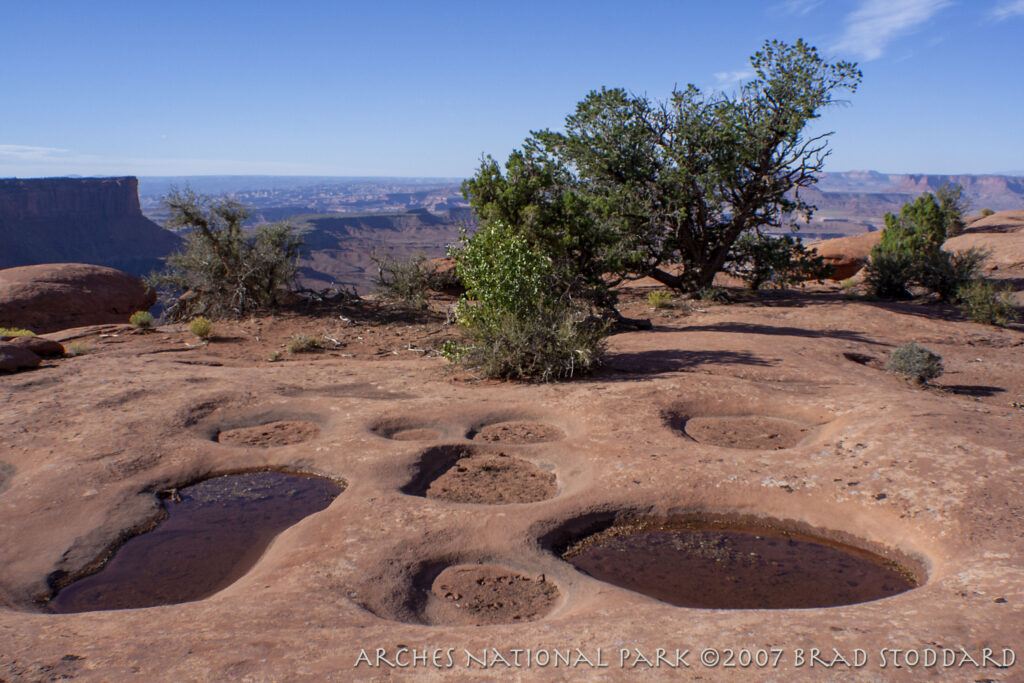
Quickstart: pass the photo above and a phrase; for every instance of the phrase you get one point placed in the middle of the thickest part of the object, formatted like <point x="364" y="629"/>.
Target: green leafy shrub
<point x="76" y="349"/>
<point x="986" y="302"/>
<point x="518" y="325"/>
<point x="659" y="298"/>
<point x="201" y="327"/>
<point x="304" y="344"/>
<point x="225" y="271"/>
<point x="986" y="212"/>
<point x="945" y="273"/>
<point x="915" y="363"/>
<point x="779" y="261"/>
<point x="141" y="320"/>
<point x="16" y="332"/>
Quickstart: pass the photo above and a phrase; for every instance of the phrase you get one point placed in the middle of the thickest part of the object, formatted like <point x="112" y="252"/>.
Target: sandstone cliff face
<point x="83" y="220"/>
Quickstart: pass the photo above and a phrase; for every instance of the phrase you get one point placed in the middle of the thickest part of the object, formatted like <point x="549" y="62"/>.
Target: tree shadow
<point x="675" y="360"/>
<point x="976" y="390"/>
<point x="783" y="331"/>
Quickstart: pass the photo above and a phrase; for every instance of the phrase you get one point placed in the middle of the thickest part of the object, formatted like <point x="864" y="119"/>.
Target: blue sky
<point x="424" y="88"/>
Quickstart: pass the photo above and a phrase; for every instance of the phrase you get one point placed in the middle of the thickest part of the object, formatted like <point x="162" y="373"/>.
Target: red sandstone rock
<point x="56" y="296"/>
<point x="847" y="255"/>
<point x="41" y="346"/>
<point x="14" y="357"/>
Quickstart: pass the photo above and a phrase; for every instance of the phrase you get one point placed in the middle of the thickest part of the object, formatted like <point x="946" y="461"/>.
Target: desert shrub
<point x="986" y="302"/>
<point x="914" y="362"/>
<point x="712" y="295"/>
<point x="16" y="332"/>
<point x="519" y="325"/>
<point x="76" y="349"/>
<point x="274" y="356"/>
<point x="659" y="298"/>
<point x="141" y="320"/>
<point x="779" y="261"/>
<point x="226" y="272"/>
<point x="986" y="212"/>
<point x="201" y="327"/>
<point x="304" y="344"/>
<point x="945" y="273"/>
<point x="405" y="280"/>
<point x="888" y="275"/>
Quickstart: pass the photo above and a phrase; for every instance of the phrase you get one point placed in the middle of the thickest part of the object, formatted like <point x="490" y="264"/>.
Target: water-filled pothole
<point x="478" y="594"/>
<point x="214" y="532"/>
<point x="517" y="431"/>
<point x="751" y="432"/>
<point x="280" y="433"/>
<point x="463" y="474"/>
<point x="726" y="564"/>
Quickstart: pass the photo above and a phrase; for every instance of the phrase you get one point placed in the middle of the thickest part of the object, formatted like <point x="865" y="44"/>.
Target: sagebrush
<point x="915" y="363"/>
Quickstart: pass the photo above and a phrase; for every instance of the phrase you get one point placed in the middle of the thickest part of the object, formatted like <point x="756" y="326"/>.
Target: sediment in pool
<point x="215" y="530"/>
<point x="465" y="474"/>
<point x="725" y="564"/>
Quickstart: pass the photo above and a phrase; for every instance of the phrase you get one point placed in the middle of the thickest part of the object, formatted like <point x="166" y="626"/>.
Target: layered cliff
<point x="82" y="220"/>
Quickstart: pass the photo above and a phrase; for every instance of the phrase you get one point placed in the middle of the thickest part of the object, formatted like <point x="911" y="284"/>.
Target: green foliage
<point x="519" y="325"/>
<point x="910" y="250"/>
<point x="761" y="259"/>
<point x="304" y="344"/>
<point x="226" y="272"/>
<point x="16" y="332"/>
<point x="986" y="212"/>
<point x="632" y="184"/>
<point x="953" y="203"/>
<point x="141" y="320"/>
<point x="986" y="302"/>
<point x="201" y="327"/>
<point x="76" y="349"/>
<point x="915" y="363"/>
<point x="659" y="298"/>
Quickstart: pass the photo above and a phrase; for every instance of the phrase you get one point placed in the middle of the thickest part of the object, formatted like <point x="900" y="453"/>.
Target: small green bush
<point x="201" y="327"/>
<point x="915" y="363"/>
<point x="76" y="349"/>
<point x="780" y="261"/>
<point x="16" y="332"/>
<point x="141" y="320"/>
<point x="986" y="302"/>
<point x="659" y="298"/>
<point x="405" y="280"/>
<point x="274" y="356"/>
<point x="987" y="212"/>
<point x="888" y="275"/>
<point x="304" y="344"/>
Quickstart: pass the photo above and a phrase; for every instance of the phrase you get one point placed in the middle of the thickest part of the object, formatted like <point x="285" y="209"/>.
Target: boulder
<point x="14" y="357"/>
<point x="847" y="255"/>
<point x="41" y="346"/>
<point x="1001" y="234"/>
<point x="55" y="296"/>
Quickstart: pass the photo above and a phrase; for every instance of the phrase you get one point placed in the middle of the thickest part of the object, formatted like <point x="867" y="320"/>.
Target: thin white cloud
<point x="1007" y="9"/>
<point x="28" y="161"/>
<point x="871" y="27"/>
<point x="29" y="153"/>
<point x="728" y="79"/>
<point x="799" y="6"/>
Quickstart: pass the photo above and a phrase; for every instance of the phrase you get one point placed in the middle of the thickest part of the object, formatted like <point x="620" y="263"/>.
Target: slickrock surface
<point x="929" y="477"/>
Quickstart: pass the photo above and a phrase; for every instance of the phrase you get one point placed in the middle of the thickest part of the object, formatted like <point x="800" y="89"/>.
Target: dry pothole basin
<point x="409" y="429"/>
<point x="745" y="426"/>
<point x="515" y="432"/>
<point x="456" y="592"/>
<point x="213" y="532"/>
<point x="465" y="474"/>
<point x="723" y="563"/>
<point x="279" y="433"/>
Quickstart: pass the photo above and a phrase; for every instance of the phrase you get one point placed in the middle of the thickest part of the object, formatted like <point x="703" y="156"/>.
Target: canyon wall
<point x="79" y="220"/>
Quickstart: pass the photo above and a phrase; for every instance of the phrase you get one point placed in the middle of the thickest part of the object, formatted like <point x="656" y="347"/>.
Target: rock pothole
<point x="271" y="434"/>
<point x="408" y="429"/>
<point x="212" y="533"/>
<point x="718" y="563"/>
<point x="488" y="594"/>
<point x="748" y="432"/>
<point x="469" y="475"/>
<point x="516" y="432"/>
